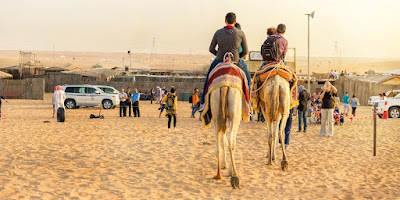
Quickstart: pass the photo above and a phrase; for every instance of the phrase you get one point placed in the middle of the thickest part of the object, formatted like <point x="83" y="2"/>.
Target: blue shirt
<point x="353" y="102"/>
<point x="135" y="96"/>
<point x="346" y="99"/>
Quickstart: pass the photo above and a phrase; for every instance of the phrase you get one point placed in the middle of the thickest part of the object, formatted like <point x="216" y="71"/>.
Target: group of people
<point x="129" y="100"/>
<point x="335" y="74"/>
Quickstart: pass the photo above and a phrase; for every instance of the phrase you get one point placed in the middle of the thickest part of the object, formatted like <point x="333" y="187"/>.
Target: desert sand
<point x="136" y="158"/>
<point x="79" y="60"/>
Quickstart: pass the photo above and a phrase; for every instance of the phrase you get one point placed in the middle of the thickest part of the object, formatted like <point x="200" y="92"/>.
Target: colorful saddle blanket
<point x="267" y="71"/>
<point x="226" y="74"/>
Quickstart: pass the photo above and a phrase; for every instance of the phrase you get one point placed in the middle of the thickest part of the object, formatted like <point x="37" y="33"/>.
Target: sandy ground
<point x="78" y="60"/>
<point x="135" y="158"/>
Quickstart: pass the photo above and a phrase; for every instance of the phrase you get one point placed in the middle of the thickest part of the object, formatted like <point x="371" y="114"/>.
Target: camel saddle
<point x="269" y="70"/>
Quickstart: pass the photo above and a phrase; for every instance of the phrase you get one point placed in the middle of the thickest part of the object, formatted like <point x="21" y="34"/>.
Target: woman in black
<point x="328" y="104"/>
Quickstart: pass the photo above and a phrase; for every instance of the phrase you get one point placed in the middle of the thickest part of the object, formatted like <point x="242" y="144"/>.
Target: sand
<point x="135" y="158"/>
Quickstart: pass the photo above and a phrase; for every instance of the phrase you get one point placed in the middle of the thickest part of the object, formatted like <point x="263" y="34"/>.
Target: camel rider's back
<point x="229" y="39"/>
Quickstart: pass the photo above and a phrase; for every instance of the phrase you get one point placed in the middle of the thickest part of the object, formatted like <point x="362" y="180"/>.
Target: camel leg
<point x="284" y="163"/>
<point x="267" y="118"/>
<point x="275" y="137"/>
<point x="218" y="176"/>
<point x="224" y="146"/>
<point x="232" y="146"/>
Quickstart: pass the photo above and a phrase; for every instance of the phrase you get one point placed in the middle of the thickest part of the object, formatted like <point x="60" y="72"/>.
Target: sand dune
<point x="135" y="158"/>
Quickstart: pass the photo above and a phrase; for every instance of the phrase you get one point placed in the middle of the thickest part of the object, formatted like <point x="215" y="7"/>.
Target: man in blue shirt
<point x="135" y="103"/>
<point x="2" y="97"/>
<point x="346" y="107"/>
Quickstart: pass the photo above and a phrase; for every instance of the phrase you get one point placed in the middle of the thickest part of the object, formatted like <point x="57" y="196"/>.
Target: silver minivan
<point x="89" y="95"/>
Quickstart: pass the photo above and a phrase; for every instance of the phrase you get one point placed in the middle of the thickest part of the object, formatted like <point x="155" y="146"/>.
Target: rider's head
<point x="237" y="25"/>
<point x="281" y="29"/>
<point x="271" y="31"/>
<point x="230" y="18"/>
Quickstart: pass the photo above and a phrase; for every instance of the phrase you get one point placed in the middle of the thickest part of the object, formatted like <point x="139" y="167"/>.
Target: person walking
<point x="195" y="101"/>
<point x="328" y="104"/>
<point x="158" y="94"/>
<point x="346" y="107"/>
<point x="304" y="97"/>
<point x="171" y="107"/>
<point x="135" y="103"/>
<point x="128" y="102"/>
<point x="2" y="97"/>
<point x="354" y="102"/>
<point x="122" y="102"/>
<point x="152" y="92"/>
<point x="53" y="100"/>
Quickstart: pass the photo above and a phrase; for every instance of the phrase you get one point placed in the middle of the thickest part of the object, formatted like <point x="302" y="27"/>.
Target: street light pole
<point x="308" y="60"/>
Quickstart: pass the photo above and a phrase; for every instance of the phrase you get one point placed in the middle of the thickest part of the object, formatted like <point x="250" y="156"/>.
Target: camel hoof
<point x="235" y="182"/>
<point x="218" y="177"/>
<point x="223" y="167"/>
<point x="284" y="165"/>
<point x="269" y="162"/>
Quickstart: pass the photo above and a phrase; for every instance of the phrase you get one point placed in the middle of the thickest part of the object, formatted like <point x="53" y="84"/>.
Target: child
<point x="171" y="106"/>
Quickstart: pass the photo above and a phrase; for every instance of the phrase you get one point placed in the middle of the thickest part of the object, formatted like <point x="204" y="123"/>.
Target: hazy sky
<point x="362" y="28"/>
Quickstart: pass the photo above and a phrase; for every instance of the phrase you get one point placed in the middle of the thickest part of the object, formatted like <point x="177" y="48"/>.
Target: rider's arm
<point x="245" y="50"/>
<point x="213" y="45"/>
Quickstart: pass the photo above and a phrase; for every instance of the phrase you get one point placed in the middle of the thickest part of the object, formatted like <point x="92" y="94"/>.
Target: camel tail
<point x="224" y="104"/>
<point x="275" y="98"/>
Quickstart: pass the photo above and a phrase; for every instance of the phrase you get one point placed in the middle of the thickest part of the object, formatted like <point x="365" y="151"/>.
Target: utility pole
<point x="308" y="60"/>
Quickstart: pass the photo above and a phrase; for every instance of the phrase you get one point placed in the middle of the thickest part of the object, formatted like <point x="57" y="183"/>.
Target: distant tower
<point x="153" y="50"/>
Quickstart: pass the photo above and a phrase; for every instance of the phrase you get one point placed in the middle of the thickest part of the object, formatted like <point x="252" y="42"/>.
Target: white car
<point x="392" y="106"/>
<point x="88" y="95"/>
<point x="108" y="89"/>
<point x="392" y="93"/>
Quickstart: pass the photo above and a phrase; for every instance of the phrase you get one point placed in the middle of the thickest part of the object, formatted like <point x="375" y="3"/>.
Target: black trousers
<point x="135" y="108"/>
<point x="170" y="119"/>
<point x="353" y="110"/>
<point x="122" y="108"/>
<point x="129" y="105"/>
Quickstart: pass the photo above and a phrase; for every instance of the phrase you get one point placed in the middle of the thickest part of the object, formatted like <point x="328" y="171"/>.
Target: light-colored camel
<point x="226" y="103"/>
<point x="275" y="106"/>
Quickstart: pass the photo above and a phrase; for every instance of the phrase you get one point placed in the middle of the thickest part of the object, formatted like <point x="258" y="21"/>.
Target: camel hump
<point x="275" y="98"/>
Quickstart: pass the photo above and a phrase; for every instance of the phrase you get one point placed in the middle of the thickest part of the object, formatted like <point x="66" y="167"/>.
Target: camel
<point x="229" y="106"/>
<point x="275" y="106"/>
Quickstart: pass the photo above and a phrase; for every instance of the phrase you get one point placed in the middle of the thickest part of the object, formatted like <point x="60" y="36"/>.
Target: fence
<point x="362" y="89"/>
<point x="31" y="88"/>
<point x="142" y="83"/>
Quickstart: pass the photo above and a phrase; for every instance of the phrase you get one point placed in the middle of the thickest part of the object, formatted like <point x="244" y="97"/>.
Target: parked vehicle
<point x="392" y="106"/>
<point x="88" y="95"/>
<point x="389" y="94"/>
<point x="108" y="89"/>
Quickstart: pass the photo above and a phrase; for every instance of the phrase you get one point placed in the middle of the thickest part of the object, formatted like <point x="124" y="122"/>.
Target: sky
<point x="360" y="28"/>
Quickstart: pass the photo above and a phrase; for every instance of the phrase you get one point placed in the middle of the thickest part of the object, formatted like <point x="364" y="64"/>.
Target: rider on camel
<point x="228" y="39"/>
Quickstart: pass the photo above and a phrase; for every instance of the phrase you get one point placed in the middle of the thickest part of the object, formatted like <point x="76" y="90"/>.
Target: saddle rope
<point x="276" y="67"/>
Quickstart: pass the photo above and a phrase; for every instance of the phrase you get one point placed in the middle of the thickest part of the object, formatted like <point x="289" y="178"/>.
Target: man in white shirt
<point x="122" y="99"/>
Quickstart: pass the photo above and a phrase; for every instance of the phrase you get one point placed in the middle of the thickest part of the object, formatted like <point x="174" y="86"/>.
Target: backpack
<point x="270" y="49"/>
<point x="170" y="103"/>
<point x="191" y="99"/>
